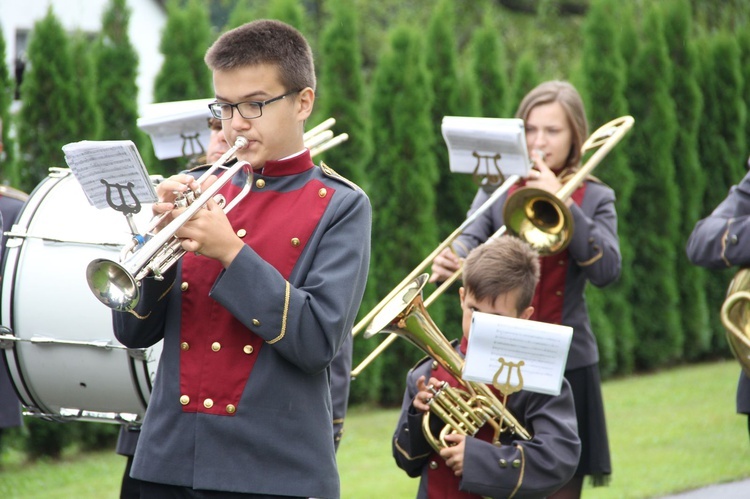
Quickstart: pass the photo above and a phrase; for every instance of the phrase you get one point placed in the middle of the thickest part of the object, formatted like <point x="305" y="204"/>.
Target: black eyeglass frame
<point x="216" y="107"/>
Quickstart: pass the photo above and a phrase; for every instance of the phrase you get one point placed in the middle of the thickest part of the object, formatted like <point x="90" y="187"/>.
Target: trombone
<point x="117" y="284"/>
<point x="539" y="217"/>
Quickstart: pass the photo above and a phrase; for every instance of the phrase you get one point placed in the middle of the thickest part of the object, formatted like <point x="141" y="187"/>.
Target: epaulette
<point x="330" y="172"/>
<point x="11" y="192"/>
<point x="421" y="362"/>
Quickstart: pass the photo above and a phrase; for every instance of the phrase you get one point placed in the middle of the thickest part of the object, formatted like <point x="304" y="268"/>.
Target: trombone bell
<point x="540" y="218"/>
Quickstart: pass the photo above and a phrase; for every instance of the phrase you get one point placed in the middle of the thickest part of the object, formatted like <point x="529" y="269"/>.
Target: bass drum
<point x="64" y="360"/>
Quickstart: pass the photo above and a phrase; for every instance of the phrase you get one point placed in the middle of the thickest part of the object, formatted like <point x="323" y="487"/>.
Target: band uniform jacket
<point x="523" y="469"/>
<point x="241" y="401"/>
<point x="11" y="202"/>
<point x="592" y="255"/>
<point x="719" y="241"/>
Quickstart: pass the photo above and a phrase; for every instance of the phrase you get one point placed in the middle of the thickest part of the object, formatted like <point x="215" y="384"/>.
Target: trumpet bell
<point x="112" y="284"/>
<point x="540" y="218"/>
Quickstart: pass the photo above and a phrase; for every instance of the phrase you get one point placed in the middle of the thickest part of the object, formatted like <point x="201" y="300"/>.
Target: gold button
<point x="516" y="463"/>
<point x="295" y="241"/>
<point x="208" y="403"/>
<point x="591" y="239"/>
<point x="241" y="233"/>
<point x="260" y="183"/>
<point x="215" y="346"/>
<point x="434" y="365"/>
<point x="503" y="463"/>
<point x="184" y="400"/>
<point x="256" y="322"/>
<point x="558" y="293"/>
<point x="561" y="262"/>
<point x="231" y="408"/>
<point x="322" y="192"/>
<point x="184" y="286"/>
<point x="184" y="346"/>
<point x="248" y="349"/>
<point x="433" y="465"/>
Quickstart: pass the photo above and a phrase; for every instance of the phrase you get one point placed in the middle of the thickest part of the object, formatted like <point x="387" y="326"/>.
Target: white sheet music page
<point x="486" y="143"/>
<point x="98" y="164"/>
<point x="543" y="347"/>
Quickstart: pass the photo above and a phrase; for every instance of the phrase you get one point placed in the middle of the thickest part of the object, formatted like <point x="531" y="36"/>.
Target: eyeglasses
<point x="249" y="110"/>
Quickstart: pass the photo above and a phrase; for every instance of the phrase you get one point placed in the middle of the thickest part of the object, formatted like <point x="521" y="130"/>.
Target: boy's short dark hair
<point x="499" y="266"/>
<point x="266" y="41"/>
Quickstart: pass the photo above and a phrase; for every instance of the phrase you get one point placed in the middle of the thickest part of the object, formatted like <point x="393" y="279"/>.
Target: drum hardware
<point x="16" y="234"/>
<point x="62" y="356"/>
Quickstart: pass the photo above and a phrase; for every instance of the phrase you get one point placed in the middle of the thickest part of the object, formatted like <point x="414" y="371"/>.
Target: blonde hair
<point x="500" y="266"/>
<point x="571" y="102"/>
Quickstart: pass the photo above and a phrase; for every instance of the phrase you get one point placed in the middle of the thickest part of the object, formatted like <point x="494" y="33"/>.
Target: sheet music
<point x="486" y="143"/>
<point x="116" y="162"/>
<point x="543" y="347"/>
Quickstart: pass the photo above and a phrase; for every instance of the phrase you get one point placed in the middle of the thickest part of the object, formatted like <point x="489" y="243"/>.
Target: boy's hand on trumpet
<point x="208" y="232"/>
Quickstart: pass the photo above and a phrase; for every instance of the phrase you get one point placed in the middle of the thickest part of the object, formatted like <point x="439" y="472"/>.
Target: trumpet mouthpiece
<point x="241" y="142"/>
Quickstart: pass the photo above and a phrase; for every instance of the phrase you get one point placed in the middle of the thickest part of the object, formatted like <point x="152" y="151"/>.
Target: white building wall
<point x="147" y="20"/>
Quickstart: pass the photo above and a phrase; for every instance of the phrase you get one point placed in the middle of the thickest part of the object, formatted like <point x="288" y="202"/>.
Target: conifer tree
<point x="455" y="191"/>
<point x="653" y="218"/>
<point x="89" y="114"/>
<point x="603" y="89"/>
<point x="341" y="91"/>
<point x="690" y="174"/>
<point x="403" y="177"/>
<point x="525" y="77"/>
<point x="7" y="158"/>
<point x="743" y="41"/>
<point x="117" y="69"/>
<point x="48" y="118"/>
<point x="187" y="36"/>
<point x="487" y="60"/>
<point x="290" y="12"/>
<point x="243" y="12"/>
<point x="721" y="146"/>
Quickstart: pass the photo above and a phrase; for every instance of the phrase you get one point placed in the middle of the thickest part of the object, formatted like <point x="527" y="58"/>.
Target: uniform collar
<point x="291" y="165"/>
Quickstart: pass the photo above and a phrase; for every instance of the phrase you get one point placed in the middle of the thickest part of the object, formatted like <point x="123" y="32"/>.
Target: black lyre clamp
<point x="191" y="145"/>
<point x="492" y="175"/>
<point x="126" y="208"/>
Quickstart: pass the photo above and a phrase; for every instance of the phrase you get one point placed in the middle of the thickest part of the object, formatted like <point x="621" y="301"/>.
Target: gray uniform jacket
<point x="720" y="241"/>
<point x="280" y="439"/>
<point x="594" y="257"/>
<point x="550" y="457"/>
<point x="10" y="407"/>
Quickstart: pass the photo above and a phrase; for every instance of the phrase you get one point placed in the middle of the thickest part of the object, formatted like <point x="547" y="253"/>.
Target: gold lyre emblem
<point x="513" y="378"/>
<point x="491" y="172"/>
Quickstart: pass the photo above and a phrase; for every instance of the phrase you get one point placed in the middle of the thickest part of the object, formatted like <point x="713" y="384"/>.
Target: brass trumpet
<point x="117" y="284"/>
<point x="463" y="410"/>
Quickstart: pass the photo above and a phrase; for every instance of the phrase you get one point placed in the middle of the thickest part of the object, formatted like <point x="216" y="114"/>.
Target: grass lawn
<point x="669" y="431"/>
